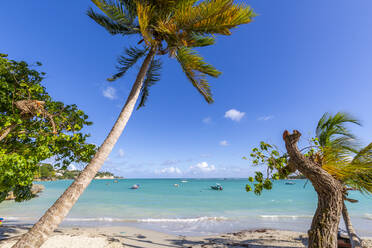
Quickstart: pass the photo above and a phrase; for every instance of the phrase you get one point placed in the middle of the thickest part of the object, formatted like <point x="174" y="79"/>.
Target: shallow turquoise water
<point x="192" y="208"/>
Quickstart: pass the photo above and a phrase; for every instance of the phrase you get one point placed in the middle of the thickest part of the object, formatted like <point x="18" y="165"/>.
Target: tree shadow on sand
<point x="234" y="240"/>
<point x="9" y="231"/>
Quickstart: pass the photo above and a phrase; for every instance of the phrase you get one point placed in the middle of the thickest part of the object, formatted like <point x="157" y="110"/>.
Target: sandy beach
<point x="115" y="237"/>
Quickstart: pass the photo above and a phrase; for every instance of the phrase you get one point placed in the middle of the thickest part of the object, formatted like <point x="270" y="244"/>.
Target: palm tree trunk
<point x="354" y="239"/>
<point x="324" y="227"/>
<point x="56" y="213"/>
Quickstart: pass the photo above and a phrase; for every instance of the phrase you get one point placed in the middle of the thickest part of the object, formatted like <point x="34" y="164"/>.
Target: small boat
<point x="183" y="181"/>
<point x="290" y="183"/>
<point x="176" y="185"/>
<point x="135" y="186"/>
<point x="217" y="187"/>
<point x="115" y="181"/>
<point x="343" y="240"/>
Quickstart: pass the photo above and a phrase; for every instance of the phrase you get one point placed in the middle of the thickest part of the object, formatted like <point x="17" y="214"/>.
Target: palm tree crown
<point x="341" y="154"/>
<point x="173" y="27"/>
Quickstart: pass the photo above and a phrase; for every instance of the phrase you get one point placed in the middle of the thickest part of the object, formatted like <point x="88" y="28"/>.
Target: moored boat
<point x="135" y="186"/>
<point x="217" y="187"/>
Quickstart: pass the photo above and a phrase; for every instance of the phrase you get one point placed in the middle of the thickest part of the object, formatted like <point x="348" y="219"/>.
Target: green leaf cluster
<point x="268" y="155"/>
<point x="51" y="131"/>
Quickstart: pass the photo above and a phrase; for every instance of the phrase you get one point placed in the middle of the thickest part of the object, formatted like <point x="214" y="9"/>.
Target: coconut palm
<point x="172" y="27"/>
<point x="335" y="166"/>
<point x="343" y="159"/>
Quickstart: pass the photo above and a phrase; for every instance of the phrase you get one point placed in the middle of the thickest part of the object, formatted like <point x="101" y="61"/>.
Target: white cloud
<point x="265" y="118"/>
<point x="109" y="93"/>
<point x="169" y="170"/>
<point x="121" y="153"/>
<point x="202" y="167"/>
<point x="71" y="167"/>
<point x="207" y="120"/>
<point x="224" y="143"/>
<point x="234" y="114"/>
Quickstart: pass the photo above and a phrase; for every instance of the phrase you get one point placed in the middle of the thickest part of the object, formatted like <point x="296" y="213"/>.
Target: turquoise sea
<point x="190" y="209"/>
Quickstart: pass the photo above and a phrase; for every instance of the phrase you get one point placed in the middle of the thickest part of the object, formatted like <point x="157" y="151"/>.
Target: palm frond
<point x="196" y="70"/>
<point x="152" y="76"/>
<point x="331" y="128"/>
<point x="125" y="62"/>
<point x="338" y="145"/>
<point x="110" y="25"/>
<point x="213" y="17"/>
<point x="194" y="61"/>
<point x="145" y="12"/>
<point x="200" y="41"/>
<point x="130" y="7"/>
<point x="114" y="10"/>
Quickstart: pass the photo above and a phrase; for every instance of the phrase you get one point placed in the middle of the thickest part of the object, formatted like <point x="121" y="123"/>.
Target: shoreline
<point x="124" y="236"/>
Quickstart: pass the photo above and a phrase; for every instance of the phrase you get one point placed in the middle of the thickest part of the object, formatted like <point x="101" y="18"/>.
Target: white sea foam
<point x="9" y="218"/>
<point x="178" y="220"/>
<point x="368" y="216"/>
<point x="185" y="219"/>
<point x="273" y="217"/>
<point x="103" y="219"/>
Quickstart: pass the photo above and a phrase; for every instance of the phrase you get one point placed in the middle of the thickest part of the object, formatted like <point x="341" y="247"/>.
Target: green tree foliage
<point x="170" y="27"/>
<point x="33" y="128"/>
<point x="334" y="147"/>
<point x="46" y="171"/>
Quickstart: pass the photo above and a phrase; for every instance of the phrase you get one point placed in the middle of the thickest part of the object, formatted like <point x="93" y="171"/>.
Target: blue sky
<point x="297" y="60"/>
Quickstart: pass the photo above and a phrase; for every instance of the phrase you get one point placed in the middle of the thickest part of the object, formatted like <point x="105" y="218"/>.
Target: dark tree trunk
<point x="354" y="239"/>
<point x="324" y="227"/>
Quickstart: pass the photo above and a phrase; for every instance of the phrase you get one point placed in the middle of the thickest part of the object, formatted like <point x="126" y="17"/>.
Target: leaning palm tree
<point x="172" y="27"/>
<point x="333" y="167"/>
<point x="342" y="158"/>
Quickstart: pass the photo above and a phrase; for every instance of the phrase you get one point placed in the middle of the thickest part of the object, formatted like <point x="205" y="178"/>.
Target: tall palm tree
<point x="172" y="27"/>
<point x="343" y="159"/>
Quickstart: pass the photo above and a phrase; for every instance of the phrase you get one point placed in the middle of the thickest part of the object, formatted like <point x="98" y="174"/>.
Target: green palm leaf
<point x="196" y="70"/>
<point x="110" y="25"/>
<point x="152" y="76"/>
<point x="132" y="55"/>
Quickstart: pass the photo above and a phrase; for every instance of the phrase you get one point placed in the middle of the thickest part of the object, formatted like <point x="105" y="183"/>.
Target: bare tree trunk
<point x="56" y="213"/>
<point x="324" y="227"/>
<point x="7" y="131"/>
<point x="354" y="239"/>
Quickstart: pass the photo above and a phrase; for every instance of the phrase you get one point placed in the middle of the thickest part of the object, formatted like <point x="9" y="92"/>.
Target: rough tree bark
<point x="354" y="239"/>
<point x="324" y="226"/>
<point x="56" y="213"/>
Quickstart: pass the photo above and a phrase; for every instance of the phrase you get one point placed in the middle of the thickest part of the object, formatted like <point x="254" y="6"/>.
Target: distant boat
<point x="217" y="187"/>
<point x="135" y="186"/>
<point x="290" y="183"/>
<point x="183" y="181"/>
<point x="175" y="185"/>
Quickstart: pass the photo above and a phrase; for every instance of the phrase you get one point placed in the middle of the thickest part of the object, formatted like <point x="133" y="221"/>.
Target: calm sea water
<point x="190" y="209"/>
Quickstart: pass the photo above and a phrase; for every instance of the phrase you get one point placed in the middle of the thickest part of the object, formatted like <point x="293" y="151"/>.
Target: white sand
<point x="117" y="237"/>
